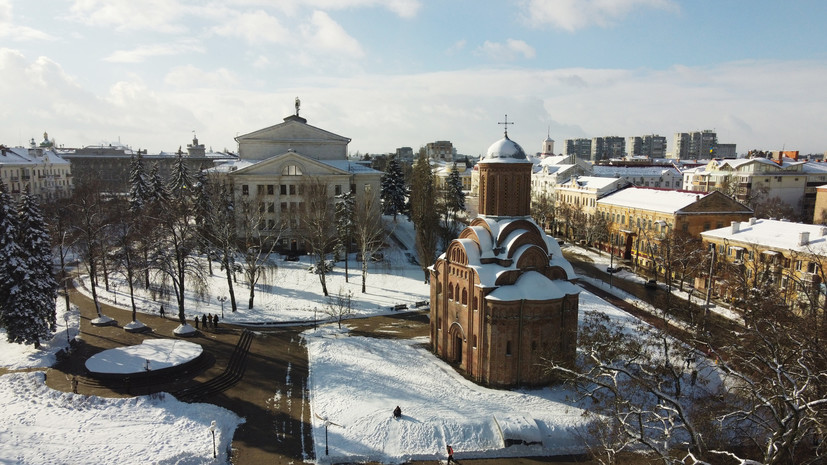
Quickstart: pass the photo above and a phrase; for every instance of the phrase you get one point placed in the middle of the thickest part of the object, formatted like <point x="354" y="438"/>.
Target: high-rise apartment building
<point x="650" y="146"/>
<point x="695" y="145"/>
<point x="580" y="148"/>
<point x="604" y="148"/>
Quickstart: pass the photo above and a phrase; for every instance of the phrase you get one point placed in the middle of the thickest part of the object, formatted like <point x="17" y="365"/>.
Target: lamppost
<point x="222" y="299"/>
<point x="314" y="318"/>
<point x="212" y="430"/>
<point x="66" y="320"/>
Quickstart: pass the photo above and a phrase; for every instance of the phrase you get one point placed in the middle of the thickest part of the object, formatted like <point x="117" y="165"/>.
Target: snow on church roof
<point x="532" y="285"/>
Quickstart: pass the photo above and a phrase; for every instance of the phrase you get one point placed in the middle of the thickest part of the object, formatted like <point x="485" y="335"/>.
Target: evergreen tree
<point x="423" y="214"/>
<point x="394" y="190"/>
<point x="158" y="190"/>
<point x="344" y="224"/>
<point x="9" y="250"/>
<point x="181" y="182"/>
<point x="30" y="315"/>
<point x="139" y="189"/>
<point x="454" y="192"/>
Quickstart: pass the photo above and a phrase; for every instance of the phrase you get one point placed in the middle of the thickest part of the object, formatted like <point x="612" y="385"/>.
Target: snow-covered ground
<point x="39" y="425"/>
<point x="355" y="384"/>
<point x="152" y="354"/>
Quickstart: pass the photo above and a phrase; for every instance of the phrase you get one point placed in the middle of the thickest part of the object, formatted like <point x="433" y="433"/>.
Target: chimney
<point x="736" y="227"/>
<point x="752" y="221"/>
<point x="803" y="238"/>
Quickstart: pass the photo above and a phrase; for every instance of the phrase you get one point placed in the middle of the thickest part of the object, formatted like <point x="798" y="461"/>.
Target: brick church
<point x="502" y="295"/>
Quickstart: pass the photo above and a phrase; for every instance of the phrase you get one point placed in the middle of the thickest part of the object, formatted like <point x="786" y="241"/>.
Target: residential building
<point x="579" y="148"/>
<point x="665" y="176"/>
<point x="604" y="148"/>
<point x="38" y="169"/>
<point x="441" y="150"/>
<point x="638" y="217"/>
<point x="502" y="295"/>
<point x="790" y="256"/>
<point x="695" y="145"/>
<point x="583" y="192"/>
<point x="649" y="146"/>
<point x="278" y="163"/>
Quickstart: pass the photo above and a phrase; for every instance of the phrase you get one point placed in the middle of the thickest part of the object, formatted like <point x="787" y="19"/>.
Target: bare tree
<point x="340" y="306"/>
<point x="542" y="210"/>
<point x="318" y="224"/>
<point x="423" y="214"/>
<point x="368" y="230"/>
<point x="258" y="241"/>
<point x="221" y="232"/>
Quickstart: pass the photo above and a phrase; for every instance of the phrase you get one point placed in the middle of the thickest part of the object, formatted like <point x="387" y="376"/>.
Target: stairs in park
<point x="231" y="375"/>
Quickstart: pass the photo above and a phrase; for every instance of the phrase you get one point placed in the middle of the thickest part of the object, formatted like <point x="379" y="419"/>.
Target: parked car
<point x="651" y="284"/>
<point x="612" y="269"/>
<point x="292" y="257"/>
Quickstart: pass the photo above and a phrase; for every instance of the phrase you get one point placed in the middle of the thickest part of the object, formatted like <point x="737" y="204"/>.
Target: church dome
<point x="504" y="149"/>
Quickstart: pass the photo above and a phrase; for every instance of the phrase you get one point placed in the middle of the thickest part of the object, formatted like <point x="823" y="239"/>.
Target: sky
<point x="399" y="73"/>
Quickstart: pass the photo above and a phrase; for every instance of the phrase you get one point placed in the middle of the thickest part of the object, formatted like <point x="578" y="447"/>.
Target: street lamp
<point x="212" y="430"/>
<point x="314" y="318"/>
<point x="66" y="319"/>
<point x="222" y="299"/>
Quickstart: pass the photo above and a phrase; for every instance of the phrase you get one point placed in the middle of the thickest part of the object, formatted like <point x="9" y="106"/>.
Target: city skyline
<point x="399" y="73"/>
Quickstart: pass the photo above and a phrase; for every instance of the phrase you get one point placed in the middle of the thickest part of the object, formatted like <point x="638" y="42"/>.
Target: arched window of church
<point x="474" y="341"/>
<point x="508" y="348"/>
<point x="450" y="292"/>
<point x="456" y="292"/>
<point x="291" y="170"/>
<point x="464" y="297"/>
<point x="476" y="303"/>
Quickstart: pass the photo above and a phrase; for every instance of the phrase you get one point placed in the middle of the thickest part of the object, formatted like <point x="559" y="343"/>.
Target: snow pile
<point x="356" y="382"/>
<point x="40" y="425"/>
<point x="158" y="353"/>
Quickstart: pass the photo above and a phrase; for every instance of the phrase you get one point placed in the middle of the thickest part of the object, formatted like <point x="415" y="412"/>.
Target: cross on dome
<point x="506" y="123"/>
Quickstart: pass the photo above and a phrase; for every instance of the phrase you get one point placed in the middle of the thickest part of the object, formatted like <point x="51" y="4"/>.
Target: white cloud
<point x="510" y="50"/>
<point x="141" y="53"/>
<point x="155" y="15"/>
<point x="578" y="14"/>
<point x="325" y="34"/>
<point x="402" y="8"/>
<point x="457" y="47"/>
<point x="753" y="104"/>
<point x="191" y="77"/>
<point x="16" y="32"/>
<point x="257" y="27"/>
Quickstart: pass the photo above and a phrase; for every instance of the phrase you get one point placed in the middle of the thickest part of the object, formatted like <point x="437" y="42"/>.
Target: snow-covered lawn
<point x="39" y="425"/>
<point x="356" y="382"/>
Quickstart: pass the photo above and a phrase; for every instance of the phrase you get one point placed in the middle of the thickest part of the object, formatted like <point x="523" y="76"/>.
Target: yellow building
<point x="37" y="169"/>
<point x="638" y="216"/>
<point x="792" y="256"/>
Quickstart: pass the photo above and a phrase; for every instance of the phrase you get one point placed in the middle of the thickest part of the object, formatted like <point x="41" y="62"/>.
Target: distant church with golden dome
<point x="503" y="297"/>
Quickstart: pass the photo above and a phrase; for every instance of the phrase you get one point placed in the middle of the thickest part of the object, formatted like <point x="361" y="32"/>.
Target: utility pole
<point x="708" y="289"/>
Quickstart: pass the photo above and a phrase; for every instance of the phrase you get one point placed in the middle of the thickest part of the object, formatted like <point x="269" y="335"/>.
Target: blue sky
<point x="399" y="73"/>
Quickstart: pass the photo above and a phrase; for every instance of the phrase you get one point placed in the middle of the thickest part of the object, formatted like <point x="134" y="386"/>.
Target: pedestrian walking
<point x="161" y="311"/>
<point x="74" y="384"/>
<point x="215" y="320"/>
<point x="196" y="322"/>
<point x="203" y="321"/>
<point x="450" y="454"/>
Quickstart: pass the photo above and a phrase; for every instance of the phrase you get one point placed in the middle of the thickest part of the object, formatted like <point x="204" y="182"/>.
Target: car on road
<point x="612" y="269"/>
<point x="651" y="284"/>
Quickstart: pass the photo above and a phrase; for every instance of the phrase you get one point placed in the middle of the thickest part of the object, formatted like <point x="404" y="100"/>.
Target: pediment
<point x="292" y="130"/>
<point x="274" y="166"/>
<point x="716" y="202"/>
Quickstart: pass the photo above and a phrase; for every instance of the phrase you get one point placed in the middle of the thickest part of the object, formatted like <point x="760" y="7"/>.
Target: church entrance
<point x="456" y="339"/>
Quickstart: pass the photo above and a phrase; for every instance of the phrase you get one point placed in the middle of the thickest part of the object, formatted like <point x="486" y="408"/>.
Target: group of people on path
<point x="206" y="321"/>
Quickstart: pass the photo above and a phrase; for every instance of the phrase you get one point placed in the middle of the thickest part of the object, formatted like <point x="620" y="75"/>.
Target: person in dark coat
<point x="397" y="412"/>
<point x="204" y="321"/>
<point x="196" y="322"/>
<point x="161" y="311"/>
<point x="215" y="320"/>
<point x="450" y="453"/>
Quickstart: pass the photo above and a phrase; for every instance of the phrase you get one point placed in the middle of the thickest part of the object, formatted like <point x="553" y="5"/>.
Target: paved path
<point x="272" y="395"/>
